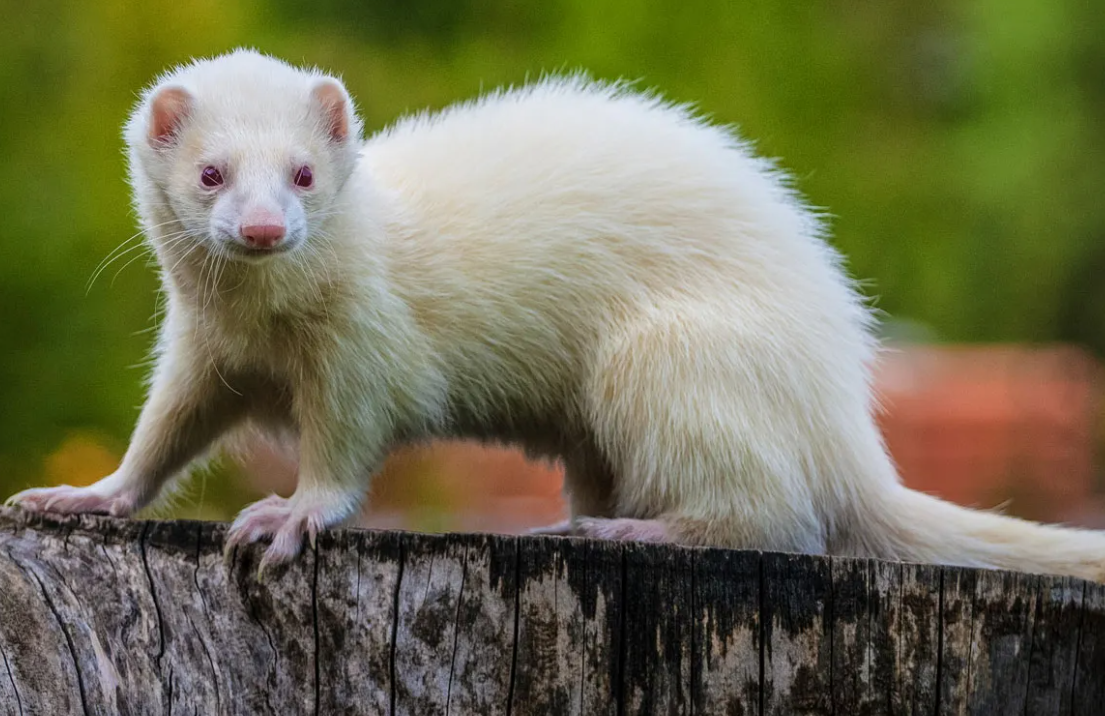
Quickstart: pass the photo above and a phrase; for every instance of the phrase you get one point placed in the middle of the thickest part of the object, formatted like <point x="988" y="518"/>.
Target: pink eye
<point x="211" y="177"/>
<point x="303" y="178"/>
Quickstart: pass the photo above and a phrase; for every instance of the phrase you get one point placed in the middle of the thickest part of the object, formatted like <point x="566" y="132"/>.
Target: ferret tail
<point x="914" y="527"/>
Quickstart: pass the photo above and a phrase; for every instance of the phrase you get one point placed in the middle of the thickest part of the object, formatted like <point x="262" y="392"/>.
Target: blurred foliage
<point x="959" y="147"/>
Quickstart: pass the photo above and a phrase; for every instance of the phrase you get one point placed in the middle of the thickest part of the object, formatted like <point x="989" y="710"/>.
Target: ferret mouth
<point x="238" y="251"/>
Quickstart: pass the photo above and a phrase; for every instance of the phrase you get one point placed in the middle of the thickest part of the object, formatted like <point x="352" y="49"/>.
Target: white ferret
<point x="588" y="272"/>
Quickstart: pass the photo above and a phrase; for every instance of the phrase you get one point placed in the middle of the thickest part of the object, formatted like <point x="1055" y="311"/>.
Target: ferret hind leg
<point x="705" y="423"/>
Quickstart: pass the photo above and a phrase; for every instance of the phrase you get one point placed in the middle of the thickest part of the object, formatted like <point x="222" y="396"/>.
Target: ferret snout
<point x="262" y="229"/>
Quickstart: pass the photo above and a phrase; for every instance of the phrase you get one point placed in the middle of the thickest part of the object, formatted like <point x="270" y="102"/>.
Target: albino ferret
<point x="589" y="272"/>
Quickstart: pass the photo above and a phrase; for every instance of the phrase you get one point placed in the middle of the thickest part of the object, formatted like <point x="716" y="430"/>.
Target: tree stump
<point x="107" y="616"/>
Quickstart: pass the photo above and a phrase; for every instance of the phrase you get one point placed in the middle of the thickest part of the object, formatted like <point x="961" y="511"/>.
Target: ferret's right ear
<point x="169" y="107"/>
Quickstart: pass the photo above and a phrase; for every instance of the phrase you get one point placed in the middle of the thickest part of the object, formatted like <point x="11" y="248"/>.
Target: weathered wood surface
<point x="102" y="616"/>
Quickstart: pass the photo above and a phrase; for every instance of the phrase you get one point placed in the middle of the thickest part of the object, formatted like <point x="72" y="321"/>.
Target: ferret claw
<point x="563" y="528"/>
<point x="282" y="521"/>
<point x="69" y="500"/>
<point x="623" y="529"/>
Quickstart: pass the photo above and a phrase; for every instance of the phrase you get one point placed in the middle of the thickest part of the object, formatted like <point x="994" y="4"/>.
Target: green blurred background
<point x="958" y="145"/>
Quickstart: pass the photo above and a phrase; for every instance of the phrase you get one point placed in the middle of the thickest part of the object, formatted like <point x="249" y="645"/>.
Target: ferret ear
<point x="332" y="101"/>
<point x="169" y="108"/>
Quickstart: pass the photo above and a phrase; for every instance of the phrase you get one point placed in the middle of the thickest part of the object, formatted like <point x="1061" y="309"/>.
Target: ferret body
<point x="590" y="273"/>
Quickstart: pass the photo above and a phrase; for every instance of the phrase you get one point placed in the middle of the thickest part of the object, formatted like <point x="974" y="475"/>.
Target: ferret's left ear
<point x="335" y="107"/>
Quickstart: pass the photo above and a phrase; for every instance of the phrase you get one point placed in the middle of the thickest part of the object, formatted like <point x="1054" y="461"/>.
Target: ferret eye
<point x="211" y="177"/>
<point x="303" y="178"/>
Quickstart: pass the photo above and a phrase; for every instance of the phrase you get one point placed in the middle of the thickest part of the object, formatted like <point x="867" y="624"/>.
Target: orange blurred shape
<point x="986" y="425"/>
<point x="81" y="459"/>
<point x="471" y="487"/>
<point x="442" y="486"/>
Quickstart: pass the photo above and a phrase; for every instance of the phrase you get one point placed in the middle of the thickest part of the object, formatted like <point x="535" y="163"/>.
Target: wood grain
<point x="104" y="616"/>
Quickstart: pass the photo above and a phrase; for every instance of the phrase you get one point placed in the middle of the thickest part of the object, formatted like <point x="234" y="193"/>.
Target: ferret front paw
<point x="286" y="521"/>
<point x="69" y="500"/>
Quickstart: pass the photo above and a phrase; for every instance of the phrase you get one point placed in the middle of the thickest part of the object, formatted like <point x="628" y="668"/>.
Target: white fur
<point x="586" y="271"/>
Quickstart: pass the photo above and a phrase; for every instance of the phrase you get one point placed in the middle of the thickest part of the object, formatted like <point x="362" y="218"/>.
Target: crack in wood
<point x="940" y="641"/>
<point x="142" y="538"/>
<point x="1078" y="650"/>
<point x="517" y="621"/>
<point x="762" y="634"/>
<point x="11" y="679"/>
<point x="314" y="625"/>
<point x="215" y="680"/>
<point x="395" y="630"/>
<point x="68" y="641"/>
<point x="457" y="628"/>
<point x="1032" y="619"/>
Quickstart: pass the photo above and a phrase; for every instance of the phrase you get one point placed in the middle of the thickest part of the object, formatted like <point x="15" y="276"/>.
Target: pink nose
<point x="262" y="236"/>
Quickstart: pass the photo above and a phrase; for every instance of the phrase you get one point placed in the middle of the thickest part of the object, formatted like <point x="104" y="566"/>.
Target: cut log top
<point x="105" y="616"/>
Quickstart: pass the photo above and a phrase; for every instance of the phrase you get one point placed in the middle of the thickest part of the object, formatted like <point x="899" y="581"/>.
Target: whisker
<point x="107" y="262"/>
<point x="183" y="256"/>
<point x="203" y="318"/>
<point x="111" y="255"/>
<point x="128" y="263"/>
<point x="117" y="254"/>
<point x="220" y="263"/>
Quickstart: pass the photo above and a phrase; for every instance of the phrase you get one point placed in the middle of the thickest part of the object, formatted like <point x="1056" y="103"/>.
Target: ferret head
<point x="246" y="152"/>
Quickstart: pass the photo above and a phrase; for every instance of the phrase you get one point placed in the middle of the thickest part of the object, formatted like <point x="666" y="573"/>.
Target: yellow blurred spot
<point x="80" y="460"/>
